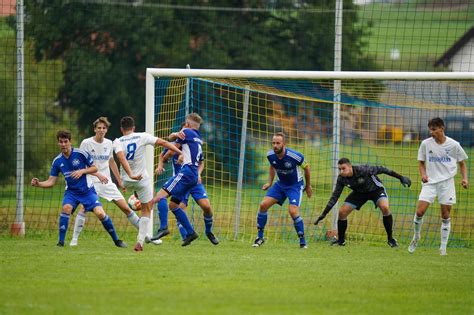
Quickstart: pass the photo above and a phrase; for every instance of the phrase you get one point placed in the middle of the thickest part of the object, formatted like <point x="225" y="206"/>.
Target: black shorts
<point x="357" y="200"/>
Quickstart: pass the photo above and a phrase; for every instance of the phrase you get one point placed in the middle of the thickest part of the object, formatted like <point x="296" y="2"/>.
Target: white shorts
<point x="108" y="191"/>
<point x="143" y="188"/>
<point x="445" y="191"/>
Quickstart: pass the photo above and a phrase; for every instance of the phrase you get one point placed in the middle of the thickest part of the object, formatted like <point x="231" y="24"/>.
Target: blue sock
<point x="261" y="222"/>
<point x="182" y="218"/>
<point x="63" y="224"/>
<point x="163" y="213"/>
<point x="109" y="227"/>
<point x="299" y="227"/>
<point x="182" y="231"/>
<point x="208" y="223"/>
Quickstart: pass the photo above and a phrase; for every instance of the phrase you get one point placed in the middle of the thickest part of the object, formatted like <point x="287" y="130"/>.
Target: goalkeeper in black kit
<point x="365" y="185"/>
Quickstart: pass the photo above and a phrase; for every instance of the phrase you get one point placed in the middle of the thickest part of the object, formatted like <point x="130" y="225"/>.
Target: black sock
<point x="341" y="230"/>
<point x="388" y="223"/>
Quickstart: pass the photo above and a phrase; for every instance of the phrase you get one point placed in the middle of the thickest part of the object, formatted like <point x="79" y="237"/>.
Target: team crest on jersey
<point x="75" y="162"/>
<point x="360" y="180"/>
<point x="288" y="165"/>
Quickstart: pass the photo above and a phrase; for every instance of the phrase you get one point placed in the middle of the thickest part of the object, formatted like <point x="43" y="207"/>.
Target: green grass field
<point x="231" y="278"/>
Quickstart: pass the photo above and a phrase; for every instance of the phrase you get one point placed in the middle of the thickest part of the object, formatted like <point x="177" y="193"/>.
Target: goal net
<point x="370" y="118"/>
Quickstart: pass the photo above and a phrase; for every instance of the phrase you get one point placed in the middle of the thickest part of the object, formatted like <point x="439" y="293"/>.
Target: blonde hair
<point x="103" y="120"/>
<point x="194" y="120"/>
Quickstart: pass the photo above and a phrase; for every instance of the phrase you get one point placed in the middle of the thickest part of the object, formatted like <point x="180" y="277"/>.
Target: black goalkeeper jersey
<point x="364" y="180"/>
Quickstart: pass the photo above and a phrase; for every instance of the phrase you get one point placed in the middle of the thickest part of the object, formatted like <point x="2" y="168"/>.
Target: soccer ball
<point x="134" y="203"/>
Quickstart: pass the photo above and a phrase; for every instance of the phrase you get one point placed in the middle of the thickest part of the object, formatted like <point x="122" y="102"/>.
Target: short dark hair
<point x="344" y="160"/>
<point x="127" y="123"/>
<point x="63" y="134"/>
<point x="280" y="134"/>
<point x="435" y="122"/>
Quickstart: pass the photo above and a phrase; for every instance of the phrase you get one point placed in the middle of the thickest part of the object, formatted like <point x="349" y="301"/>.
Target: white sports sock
<point x="143" y="229"/>
<point x="417" y="227"/>
<point x="445" y="229"/>
<point x="134" y="219"/>
<point x="78" y="225"/>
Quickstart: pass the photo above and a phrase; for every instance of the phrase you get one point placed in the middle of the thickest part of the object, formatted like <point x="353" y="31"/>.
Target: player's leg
<point x="426" y="197"/>
<point x="108" y="224"/>
<point x="161" y="197"/>
<point x="78" y="226"/>
<point x="131" y="215"/>
<point x="344" y="212"/>
<point x="294" y="195"/>
<point x="387" y="218"/>
<point x="67" y="209"/>
<point x="182" y="219"/>
<point x="200" y="196"/>
<point x="262" y="217"/>
<point x="446" y="198"/>
<point x="144" y="192"/>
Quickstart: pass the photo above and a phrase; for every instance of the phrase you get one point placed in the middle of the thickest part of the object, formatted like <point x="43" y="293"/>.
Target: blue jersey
<point x="191" y="147"/>
<point x="77" y="160"/>
<point x="287" y="168"/>
<point x="174" y="160"/>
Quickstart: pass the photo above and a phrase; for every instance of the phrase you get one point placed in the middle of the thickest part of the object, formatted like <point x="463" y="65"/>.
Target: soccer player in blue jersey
<point x="198" y="192"/>
<point x="179" y="185"/>
<point x="287" y="164"/>
<point x="74" y="164"/>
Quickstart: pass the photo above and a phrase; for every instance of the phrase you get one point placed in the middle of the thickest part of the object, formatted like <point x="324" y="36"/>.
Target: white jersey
<point x="101" y="154"/>
<point x="441" y="159"/>
<point x="133" y="146"/>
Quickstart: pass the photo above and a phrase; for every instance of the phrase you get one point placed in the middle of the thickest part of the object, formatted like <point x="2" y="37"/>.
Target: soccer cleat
<point x="412" y="246"/>
<point x="60" y="244"/>
<point x="442" y="251"/>
<point x="303" y="246"/>
<point x="189" y="239"/>
<point x="73" y="242"/>
<point x="120" y="243"/>
<point x="138" y="247"/>
<point x="258" y="242"/>
<point x="392" y="243"/>
<point x="335" y="242"/>
<point x="160" y="233"/>
<point x="155" y="242"/>
<point x="212" y="238"/>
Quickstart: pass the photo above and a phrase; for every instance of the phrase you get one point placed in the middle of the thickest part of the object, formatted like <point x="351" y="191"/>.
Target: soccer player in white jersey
<point x="130" y="150"/>
<point x="101" y="150"/>
<point x="438" y="157"/>
<point x="286" y="164"/>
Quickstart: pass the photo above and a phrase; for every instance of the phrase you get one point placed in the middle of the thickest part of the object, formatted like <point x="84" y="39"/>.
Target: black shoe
<point x="258" y="242"/>
<point x="60" y="244"/>
<point x="189" y="239"/>
<point x="212" y="238"/>
<point x="335" y="242"/>
<point x="392" y="243"/>
<point x="303" y="246"/>
<point x="160" y="233"/>
<point x="120" y="243"/>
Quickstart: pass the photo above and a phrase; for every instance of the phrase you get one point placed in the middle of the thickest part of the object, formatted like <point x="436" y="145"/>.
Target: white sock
<point x="143" y="229"/>
<point x="445" y="229"/>
<point x="134" y="219"/>
<point x="418" y="222"/>
<point x="78" y="225"/>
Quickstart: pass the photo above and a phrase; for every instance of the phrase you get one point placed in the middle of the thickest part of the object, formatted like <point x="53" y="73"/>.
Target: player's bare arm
<point x="463" y="169"/>
<point x="307" y="179"/>
<point x="200" y="169"/>
<point x="422" y="169"/>
<point x="271" y="177"/>
<point x="50" y="182"/>
<point x="123" y="161"/>
<point x="160" y="167"/>
<point x="114" y="168"/>
<point x="90" y="170"/>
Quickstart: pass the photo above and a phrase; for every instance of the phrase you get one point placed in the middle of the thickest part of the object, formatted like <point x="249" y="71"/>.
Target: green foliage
<point x="106" y="48"/>
<point x="231" y="278"/>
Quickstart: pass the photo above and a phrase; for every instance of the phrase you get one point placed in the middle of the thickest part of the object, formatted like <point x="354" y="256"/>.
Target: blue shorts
<point x="198" y="192"/>
<point x="179" y="186"/>
<point x="280" y="193"/>
<point x="89" y="199"/>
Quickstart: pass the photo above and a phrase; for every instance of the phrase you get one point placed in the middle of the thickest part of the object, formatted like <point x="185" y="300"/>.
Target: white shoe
<point x="413" y="245"/>
<point x="155" y="242"/>
<point x="73" y="242"/>
<point x="442" y="251"/>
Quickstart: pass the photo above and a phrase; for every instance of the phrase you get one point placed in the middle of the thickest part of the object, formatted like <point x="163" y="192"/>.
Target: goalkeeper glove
<point x="406" y="182"/>
<point x="320" y="218"/>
